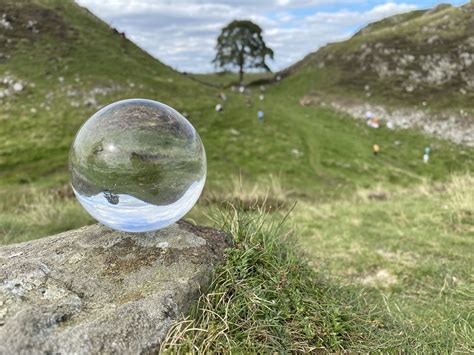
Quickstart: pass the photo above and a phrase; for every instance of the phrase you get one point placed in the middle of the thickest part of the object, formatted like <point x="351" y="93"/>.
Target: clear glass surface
<point x="137" y="165"/>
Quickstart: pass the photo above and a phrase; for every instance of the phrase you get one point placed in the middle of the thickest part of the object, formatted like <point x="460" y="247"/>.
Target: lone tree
<point x="241" y="44"/>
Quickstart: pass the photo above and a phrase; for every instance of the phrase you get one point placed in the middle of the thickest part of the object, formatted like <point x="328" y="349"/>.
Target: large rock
<point x="95" y="290"/>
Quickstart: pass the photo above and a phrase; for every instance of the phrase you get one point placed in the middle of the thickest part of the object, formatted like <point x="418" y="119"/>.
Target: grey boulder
<point x="95" y="290"/>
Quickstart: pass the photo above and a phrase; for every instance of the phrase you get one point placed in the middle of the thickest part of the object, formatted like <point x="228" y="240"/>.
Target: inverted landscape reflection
<point x="131" y="214"/>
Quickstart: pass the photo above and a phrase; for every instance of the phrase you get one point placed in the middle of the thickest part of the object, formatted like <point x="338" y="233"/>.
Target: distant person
<point x="426" y="158"/>
<point x="374" y="123"/>
<point x="260" y="116"/>
<point x="376" y="149"/>
<point x="372" y="120"/>
<point x="123" y="42"/>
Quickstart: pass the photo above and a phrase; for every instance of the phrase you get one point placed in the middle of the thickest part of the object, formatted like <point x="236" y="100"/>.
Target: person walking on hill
<point x="426" y="156"/>
<point x="376" y="149"/>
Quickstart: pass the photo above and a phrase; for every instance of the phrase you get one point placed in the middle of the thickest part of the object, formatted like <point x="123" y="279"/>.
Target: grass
<point x="409" y="252"/>
<point x="31" y="213"/>
<point x="265" y="298"/>
<point x="377" y="275"/>
<point x="227" y="79"/>
<point x="390" y="275"/>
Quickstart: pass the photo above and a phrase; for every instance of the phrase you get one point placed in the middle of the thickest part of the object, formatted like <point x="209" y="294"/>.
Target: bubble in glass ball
<point x="137" y="165"/>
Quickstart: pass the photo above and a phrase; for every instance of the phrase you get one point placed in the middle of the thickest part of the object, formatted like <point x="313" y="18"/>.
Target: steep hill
<point x="58" y="65"/>
<point x="425" y="55"/>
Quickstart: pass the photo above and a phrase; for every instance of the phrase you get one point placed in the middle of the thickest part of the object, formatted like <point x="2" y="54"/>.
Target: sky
<point x="183" y="33"/>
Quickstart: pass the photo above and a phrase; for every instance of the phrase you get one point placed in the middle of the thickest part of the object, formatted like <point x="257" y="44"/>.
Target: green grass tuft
<point x="266" y="298"/>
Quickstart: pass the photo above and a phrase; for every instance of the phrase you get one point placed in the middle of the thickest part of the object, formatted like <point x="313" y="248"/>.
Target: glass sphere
<point x="137" y="165"/>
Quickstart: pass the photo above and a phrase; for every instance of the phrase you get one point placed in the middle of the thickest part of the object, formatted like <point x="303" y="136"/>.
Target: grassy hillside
<point x="226" y="80"/>
<point x="59" y="64"/>
<point x="402" y="60"/>
<point x="70" y="64"/>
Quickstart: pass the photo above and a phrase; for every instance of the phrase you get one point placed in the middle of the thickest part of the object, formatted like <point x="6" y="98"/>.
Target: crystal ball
<point x="137" y="165"/>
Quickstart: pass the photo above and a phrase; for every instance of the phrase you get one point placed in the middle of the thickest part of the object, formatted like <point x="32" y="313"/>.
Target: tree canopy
<point x="241" y="45"/>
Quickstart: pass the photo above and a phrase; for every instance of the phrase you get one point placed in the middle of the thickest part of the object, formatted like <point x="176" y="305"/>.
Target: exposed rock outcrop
<point x="456" y="127"/>
<point x="95" y="290"/>
<point x="424" y="53"/>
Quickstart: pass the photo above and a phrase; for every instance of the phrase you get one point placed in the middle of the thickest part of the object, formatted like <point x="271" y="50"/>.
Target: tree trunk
<point x="241" y="66"/>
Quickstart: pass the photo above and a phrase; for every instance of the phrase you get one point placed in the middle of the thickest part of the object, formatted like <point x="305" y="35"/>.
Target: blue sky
<point x="182" y="33"/>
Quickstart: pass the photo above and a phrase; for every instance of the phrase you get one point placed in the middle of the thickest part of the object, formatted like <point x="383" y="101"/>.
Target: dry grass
<point x="461" y="193"/>
<point x="412" y="250"/>
<point x="38" y="214"/>
<point x="268" y="194"/>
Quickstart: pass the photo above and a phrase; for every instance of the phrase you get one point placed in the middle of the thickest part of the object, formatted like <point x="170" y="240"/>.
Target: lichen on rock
<point x="95" y="290"/>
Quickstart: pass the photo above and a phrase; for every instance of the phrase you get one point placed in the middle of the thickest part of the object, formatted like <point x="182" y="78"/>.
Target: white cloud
<point x="345" y="18"/>
<point x="182" y="33"/>
<point x="388" y="9"/>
